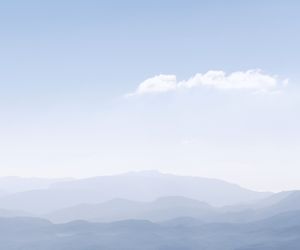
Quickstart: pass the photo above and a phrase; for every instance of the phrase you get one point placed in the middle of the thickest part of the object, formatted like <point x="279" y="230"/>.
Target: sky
<point x="205" y="88"/>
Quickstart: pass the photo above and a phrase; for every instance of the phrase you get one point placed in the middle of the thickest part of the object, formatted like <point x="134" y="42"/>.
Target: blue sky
<point x="66" y="67"/>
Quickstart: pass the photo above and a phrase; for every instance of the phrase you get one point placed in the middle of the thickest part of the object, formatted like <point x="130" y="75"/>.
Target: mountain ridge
<point x="143" y="186"/>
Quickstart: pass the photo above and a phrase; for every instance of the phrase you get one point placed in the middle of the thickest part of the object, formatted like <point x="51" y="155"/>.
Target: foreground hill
<point x="278" y="232"/>
<point x="140" y="186"/>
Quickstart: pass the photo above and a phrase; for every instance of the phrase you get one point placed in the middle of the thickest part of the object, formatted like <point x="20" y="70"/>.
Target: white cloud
<point x="157" y="84"/>
<point x="253" y="80"/>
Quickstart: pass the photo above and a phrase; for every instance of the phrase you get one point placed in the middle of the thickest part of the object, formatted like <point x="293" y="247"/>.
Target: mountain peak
<point x="150" y="173"/>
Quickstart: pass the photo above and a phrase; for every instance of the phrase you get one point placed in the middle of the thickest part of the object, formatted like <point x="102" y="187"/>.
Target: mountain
<point x="165" y="208"/>
<point x="138" y="186"/>
<point x="278" y="232"/>
<point x="14" y="184"/>
<point x="13" y="213"/>
<point x="168" y="208"/>
<point x="283" y="202"/>
<point x="150" y="185"/>
<point x="281" y="231"/>
<point x="279" y="203"/>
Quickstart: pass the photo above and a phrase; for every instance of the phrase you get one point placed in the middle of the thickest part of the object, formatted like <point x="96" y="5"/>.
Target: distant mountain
<point x="279" y="203"/>
<point x="107" y="198"/>
<point x="278" y="232"/>
<point x="162" y="209"/>
<point x="290" y="219"/>
<point x="168" y="208"/>
<point x="138" y="186"/>
<point x="13" y="213"/>
<point x="19" y="224"/>
<point x="13" y="184"/>
<point x="271" y="200"/>
<point x="150" y="185"/>
<point x="183" y="222"/>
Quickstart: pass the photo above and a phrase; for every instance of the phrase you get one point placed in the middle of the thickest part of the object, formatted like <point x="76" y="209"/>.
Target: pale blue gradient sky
<point x="66" y="65"/>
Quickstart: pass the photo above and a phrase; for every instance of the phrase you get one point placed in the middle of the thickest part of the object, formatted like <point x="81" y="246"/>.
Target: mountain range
<point x="275" y="233"/>
<point x="145" y="210"/>
<point x="136" y="186"/>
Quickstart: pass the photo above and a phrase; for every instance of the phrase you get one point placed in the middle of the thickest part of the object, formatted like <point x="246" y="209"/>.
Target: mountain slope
<point x="278" y="232"/>
<point x="165" y="208"/>
<point x="14" y="184"/>
<point x="140" y="186"/>
<point x="279" y="203"/>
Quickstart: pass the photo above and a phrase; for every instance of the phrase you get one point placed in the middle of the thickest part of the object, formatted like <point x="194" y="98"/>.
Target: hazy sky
<point x="207" y="88"/>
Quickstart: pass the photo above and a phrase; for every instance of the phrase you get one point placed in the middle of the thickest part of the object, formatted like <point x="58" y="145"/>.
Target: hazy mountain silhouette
<point x="281" y="202"/>
<point x="276" y="204"/>
<point x="13" y="213"/>
<point x="281" y="231"/>
<point x="278" y="232"/>
<point x="165" y="208"/>
<point x="168" y="208"/>
<point x="107" y="198"/>
<point x="171" y="222"/>
<point x="138" y="186"/>
<point x="13" y="184"/>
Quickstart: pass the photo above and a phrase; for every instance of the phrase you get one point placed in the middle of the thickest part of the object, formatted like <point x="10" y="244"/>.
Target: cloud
<point x="251" y="80"/>
<point x="157" y="84"/>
